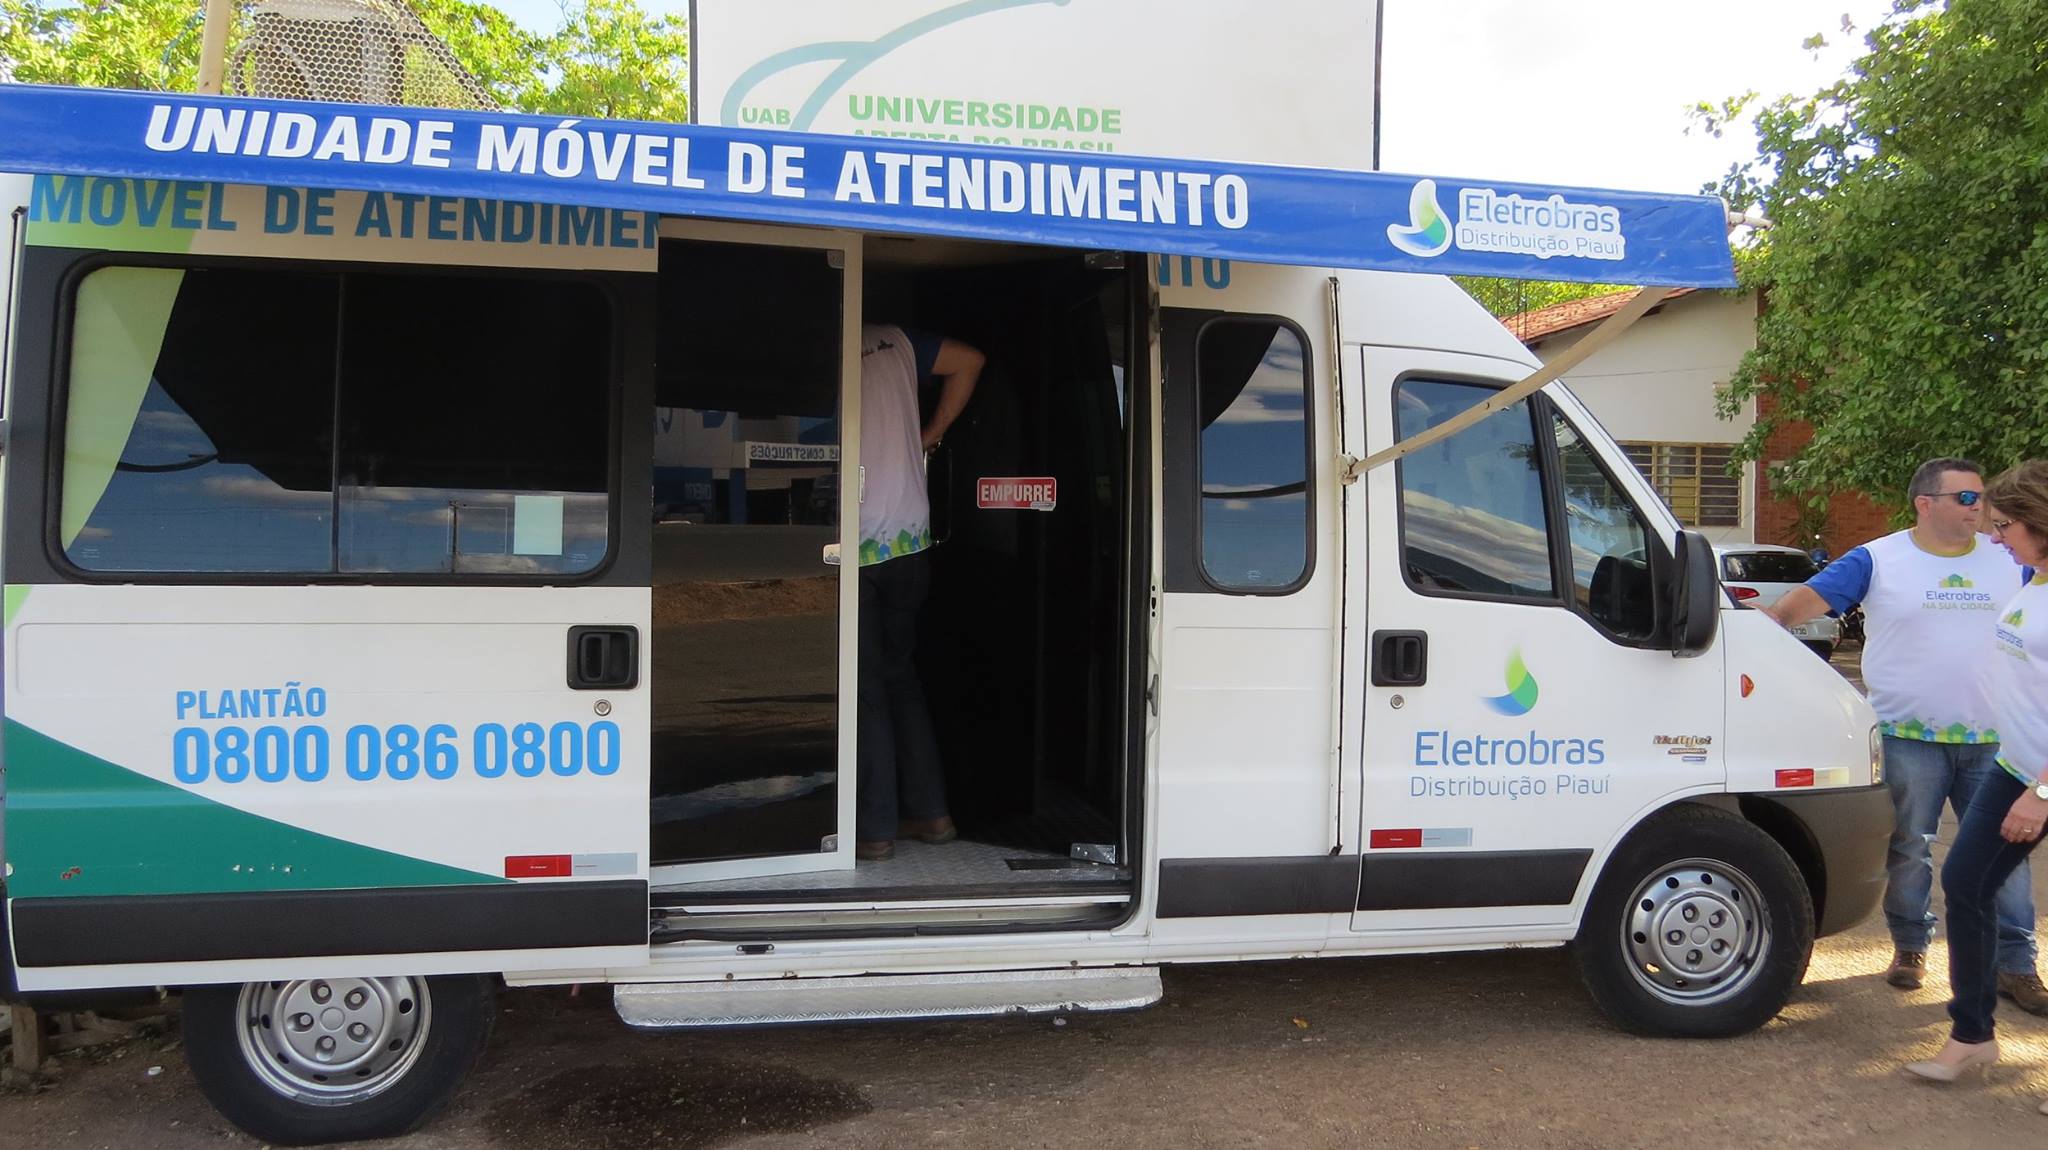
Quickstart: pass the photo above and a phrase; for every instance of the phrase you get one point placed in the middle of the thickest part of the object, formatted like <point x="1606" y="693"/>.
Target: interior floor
<point x="960" y="869"/>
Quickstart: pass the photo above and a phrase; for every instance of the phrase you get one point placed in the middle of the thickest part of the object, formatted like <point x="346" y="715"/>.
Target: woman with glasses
<point x="2003" y="823"/>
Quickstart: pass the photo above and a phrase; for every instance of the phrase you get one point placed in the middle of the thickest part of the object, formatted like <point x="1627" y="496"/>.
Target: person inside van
<point x="2004" y="821"/>
<point x="902" y="782"/>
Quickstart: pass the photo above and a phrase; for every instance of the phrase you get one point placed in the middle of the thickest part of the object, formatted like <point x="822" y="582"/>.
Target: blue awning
<point x="1252" y="212"/>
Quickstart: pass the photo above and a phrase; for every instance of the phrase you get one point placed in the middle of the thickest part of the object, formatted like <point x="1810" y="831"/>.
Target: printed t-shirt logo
<point x="1956" y="581"/>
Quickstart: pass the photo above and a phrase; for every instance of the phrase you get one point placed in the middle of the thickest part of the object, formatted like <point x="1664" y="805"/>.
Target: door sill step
<point x="694" y="1005"/>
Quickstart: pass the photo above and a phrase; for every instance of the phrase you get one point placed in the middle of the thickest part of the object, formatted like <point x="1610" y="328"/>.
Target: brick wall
<point x="1852" y="519"/>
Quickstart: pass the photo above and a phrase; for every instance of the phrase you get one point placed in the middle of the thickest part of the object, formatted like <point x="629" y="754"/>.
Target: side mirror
<point x="1695" y="596"/>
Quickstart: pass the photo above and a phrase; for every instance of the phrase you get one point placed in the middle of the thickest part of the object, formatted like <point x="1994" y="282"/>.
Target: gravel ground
<point x="1483" y="1050"/>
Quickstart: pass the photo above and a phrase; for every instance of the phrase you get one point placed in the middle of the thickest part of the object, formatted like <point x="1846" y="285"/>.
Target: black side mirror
<point x="1694" y="600"/>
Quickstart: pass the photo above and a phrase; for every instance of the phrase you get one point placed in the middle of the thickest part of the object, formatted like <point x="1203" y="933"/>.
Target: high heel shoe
<point x="1981" y="1054"/>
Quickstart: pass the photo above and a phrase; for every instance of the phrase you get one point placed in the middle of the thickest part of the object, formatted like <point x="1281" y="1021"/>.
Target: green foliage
<point x="609" y="58"/>
<point x="1506" y="297"/>
<point x="1907" y="312"/>
<point x="152" y="45"/>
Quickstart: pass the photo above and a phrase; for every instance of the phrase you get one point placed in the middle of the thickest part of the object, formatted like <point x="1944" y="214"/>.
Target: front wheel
<point x="335" y="1059"/>
<point x="1700" y="927"/>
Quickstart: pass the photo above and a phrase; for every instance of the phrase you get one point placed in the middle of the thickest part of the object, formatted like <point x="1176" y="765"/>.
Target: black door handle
<point x="604" y="658"/>
<point x="1400" y="658"/>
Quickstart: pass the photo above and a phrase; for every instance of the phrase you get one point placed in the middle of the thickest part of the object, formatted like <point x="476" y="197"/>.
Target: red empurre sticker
<point x="1017" y="493"/>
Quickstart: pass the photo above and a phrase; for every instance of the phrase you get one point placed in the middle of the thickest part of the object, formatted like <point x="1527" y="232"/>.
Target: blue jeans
<point x="1974" y="878"/>
<point x="1923" y="776"/>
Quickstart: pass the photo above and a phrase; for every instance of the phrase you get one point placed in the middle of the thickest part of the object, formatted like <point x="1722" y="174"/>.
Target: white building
<point x="1654" y="389"/>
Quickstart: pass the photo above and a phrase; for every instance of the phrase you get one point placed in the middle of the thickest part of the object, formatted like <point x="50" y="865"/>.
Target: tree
<point x="1907" y="271"/>
<point x="609" y="58"/>
<point x="1505" y="297"/>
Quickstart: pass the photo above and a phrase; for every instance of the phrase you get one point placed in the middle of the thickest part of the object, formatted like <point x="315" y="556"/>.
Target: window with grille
<point x="1694" y="480"/>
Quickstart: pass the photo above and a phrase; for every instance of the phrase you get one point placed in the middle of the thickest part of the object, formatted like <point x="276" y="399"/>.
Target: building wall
<point x="1851" y="519"/>
<point x="1657" y="383"/>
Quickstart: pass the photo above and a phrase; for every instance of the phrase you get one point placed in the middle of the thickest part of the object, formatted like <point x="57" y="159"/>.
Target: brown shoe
<point x="1909" y="969"/>
<point x="934" y="831"/>
<point x="874" y="852"/>
<point x="2025" y="990"/>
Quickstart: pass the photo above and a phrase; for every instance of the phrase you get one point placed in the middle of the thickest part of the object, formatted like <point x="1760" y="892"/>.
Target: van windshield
<point x="1768" y="567"/>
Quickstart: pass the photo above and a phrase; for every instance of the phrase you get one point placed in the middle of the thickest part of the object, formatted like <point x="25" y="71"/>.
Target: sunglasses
<point x="1966" y="498"/>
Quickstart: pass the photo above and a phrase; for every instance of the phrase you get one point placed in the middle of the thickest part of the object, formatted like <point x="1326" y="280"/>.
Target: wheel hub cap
<point x="333" y="1040"/>
<point x="1696" y="932"/>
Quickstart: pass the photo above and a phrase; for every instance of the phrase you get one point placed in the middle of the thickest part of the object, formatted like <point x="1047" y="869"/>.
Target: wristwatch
<point x="2041" y="790"/>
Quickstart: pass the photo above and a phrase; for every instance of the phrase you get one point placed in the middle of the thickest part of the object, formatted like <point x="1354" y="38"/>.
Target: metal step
<point x="691" y="1005"/>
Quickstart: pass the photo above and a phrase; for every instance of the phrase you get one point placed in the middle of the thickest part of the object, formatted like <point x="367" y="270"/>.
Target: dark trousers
<point x="900" y="773"/>
<point x="1978" y="865"/>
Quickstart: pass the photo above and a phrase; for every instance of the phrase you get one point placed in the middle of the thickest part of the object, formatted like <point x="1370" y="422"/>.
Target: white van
<point x="409" y="592"/>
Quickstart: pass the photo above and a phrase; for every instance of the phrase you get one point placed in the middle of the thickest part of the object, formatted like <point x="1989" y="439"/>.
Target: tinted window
<point x="1473" y="518"/>
<point x="1768" y="567"/>
<point x="200" y="423"/>
<point x="1253" y="385"/>
<point x="1610" y="546"/>
<point x="198" y="432"/>
<point x="475" y="419"/>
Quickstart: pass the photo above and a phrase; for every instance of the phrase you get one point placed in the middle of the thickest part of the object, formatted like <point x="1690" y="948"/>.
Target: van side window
<point x="210" y="412"/>
<point x="1473" y="517"/>
<point x="198" y="435"/>
<point x="1610" y="544"/>
<point x="1252" y="380"/>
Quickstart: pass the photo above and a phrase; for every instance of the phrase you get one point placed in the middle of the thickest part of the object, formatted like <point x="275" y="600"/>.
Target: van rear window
<point x="244" y="420"/>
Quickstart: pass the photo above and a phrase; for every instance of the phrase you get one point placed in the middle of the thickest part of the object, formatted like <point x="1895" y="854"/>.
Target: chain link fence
<point x="350" y="51"/>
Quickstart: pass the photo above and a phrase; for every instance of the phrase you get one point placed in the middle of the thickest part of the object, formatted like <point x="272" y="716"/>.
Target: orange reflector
<point x="1386" y="839"/>
<point x="1748" y="685"/>
<point x="1796" y="777"/>
<point x="557" y="866"/>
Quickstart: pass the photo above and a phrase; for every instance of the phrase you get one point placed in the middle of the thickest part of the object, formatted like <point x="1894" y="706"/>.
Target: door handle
<point x="604" y="658"/>
<point x="1400" y="658"/>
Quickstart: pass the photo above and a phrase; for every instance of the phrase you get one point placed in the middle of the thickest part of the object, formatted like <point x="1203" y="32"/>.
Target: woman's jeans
<point x="1924" y="776"/>
<point x="1978" y="865"/>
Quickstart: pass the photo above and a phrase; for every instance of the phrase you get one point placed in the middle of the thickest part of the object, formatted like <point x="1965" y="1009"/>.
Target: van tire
<point x="428" y="1033"/>
<point x="1700" y="927"/>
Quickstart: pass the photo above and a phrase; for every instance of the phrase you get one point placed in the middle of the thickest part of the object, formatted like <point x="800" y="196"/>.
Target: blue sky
<point x="1585" y="92"/>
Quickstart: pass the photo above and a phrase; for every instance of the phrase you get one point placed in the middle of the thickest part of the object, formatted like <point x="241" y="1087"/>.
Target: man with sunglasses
<point x="1930" y="598"/>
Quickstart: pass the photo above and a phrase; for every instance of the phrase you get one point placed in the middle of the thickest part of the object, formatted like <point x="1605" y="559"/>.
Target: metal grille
<point x="352" y="51"/>
<point x="1693" y="478"/>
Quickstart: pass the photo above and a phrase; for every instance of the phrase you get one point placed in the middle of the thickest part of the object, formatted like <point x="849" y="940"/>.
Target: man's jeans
<point x="1922" y="777"/>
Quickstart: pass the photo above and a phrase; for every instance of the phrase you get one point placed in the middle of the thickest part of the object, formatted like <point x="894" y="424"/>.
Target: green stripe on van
<point x="79" y="825"/>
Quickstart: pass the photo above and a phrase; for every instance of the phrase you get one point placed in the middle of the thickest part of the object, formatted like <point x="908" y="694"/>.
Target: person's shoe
<point x="1981" y="1054"/>
<point x="2025" y="990"/>
<point x="1909" y="969"/>
<point x="874" y="852"/>
<point x="934" y="831"/>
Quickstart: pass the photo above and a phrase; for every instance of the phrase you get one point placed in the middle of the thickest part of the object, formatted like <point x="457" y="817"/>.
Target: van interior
<point x="1025" y="640"/>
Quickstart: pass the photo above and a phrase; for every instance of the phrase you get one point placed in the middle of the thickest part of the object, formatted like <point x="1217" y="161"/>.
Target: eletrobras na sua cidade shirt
<point x="2015" y="681"/>
<point x="1929" y="621"/>
<point x="895" y="511"/>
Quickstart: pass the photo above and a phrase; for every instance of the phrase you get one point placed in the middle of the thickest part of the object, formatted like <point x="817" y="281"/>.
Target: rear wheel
<point x="335" y="1059"/>
<point x="1701" y="927"/>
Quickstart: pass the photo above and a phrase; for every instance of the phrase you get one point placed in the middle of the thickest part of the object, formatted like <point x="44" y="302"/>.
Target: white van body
<point x="1455" y="703"/>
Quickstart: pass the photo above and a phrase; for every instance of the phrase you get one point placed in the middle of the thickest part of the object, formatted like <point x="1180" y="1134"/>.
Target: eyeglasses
<point x="2000" y="526"/>
<point x="1966" y="498"/>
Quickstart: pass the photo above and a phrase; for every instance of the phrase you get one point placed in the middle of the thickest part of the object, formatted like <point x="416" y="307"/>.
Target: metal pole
<point x="213" y="45"/>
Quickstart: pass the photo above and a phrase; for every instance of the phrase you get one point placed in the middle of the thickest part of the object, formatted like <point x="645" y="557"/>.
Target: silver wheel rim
<point x="1696" y="933"/>
<point x="333" y="1041"/>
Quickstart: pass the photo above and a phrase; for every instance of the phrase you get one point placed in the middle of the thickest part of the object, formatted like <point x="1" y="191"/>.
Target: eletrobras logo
<point x="1957" y="591"/>
<point x="1487" y="221"/>
<point x="1524" y="748"/>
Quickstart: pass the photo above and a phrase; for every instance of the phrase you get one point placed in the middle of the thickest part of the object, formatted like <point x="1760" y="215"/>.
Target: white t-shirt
<point x="895" y="512"/>
<point x="1929" y="619"/>
<point x="2015" y="683"/>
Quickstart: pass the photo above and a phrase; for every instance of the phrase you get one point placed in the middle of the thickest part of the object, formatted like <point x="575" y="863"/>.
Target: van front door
<point x="755" y="501"/>
<point x="1521" y="711"/>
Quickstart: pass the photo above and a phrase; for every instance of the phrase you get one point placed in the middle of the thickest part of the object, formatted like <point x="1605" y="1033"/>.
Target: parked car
<point x="1759" y="574"/>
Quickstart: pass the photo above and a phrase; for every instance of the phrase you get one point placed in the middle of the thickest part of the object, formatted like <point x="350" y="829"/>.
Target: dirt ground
<point x="1481" y="1050"/>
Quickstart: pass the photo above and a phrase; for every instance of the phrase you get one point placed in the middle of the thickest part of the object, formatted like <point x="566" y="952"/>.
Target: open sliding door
<point x="756" y="497"/>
